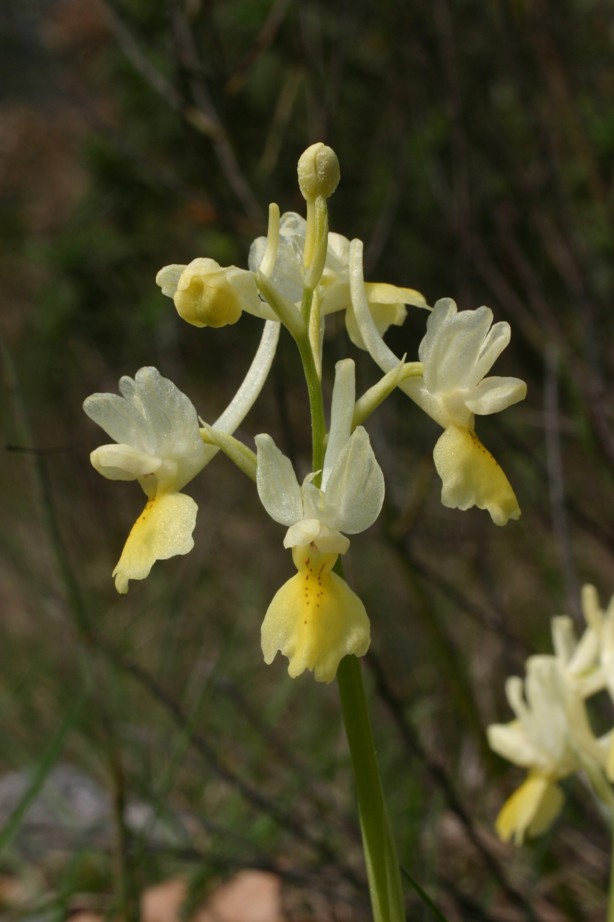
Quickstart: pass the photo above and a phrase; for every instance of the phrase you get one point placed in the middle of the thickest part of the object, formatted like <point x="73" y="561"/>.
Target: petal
<point x="384" y="293"/>
<point x="495" y="394"/>
<point x="164" y="529"/>
<point x="122" y="462"/>
<point x="386" y="306"/>
<point x="510" y="741"/>
<point x="591" y="607"/>
<point x="120" y="419"/>
<point x="471" y="476"/>
<point x="530" y="810"/>
<point x="243" y="284"/>
<point x="278" y="488"/>
<point x="564" y="638"/>
<point x="170" y="417"/>
<point x="315" y="619"/>
<point x="168" y="279"/>
<point x="338" y="253"/>
<point x="355" y="489"/>
<point x="492" y="347"/>
<point x="153" y="416"/>
<point x="384" y="315"/>
<point x="287" y="274"/>
<point x="451" y="348"/>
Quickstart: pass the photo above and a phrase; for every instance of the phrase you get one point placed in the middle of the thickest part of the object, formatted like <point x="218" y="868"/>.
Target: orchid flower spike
<point x="458" y="349"/>
<point x="315" y="619"/>
<point x="552" y="738"/>
<point x="386" y="302"/>
<point x="159" y="444"/>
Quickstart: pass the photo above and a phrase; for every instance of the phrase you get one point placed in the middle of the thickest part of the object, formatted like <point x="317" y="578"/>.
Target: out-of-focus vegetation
<point x="477" y="147"/>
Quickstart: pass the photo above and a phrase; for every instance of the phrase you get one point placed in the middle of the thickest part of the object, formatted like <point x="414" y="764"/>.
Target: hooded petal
<point x="164" y="529"/>
<point x="471" y="477"/>
<point x="315" y="619"/>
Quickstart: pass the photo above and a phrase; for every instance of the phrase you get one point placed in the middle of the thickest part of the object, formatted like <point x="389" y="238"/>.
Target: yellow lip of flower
<point x="160" y="445"/>
<point x="470" y="476"/>
<point x="458" y="350"/>
<point x="315" y="619"/>
<point x="530" y="810"/>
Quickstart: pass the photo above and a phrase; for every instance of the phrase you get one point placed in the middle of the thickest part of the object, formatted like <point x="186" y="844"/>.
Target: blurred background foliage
<point x="477" y="147"/>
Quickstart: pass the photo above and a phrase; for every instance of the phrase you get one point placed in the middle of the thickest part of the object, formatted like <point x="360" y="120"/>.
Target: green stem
<point x="383" y="868"/>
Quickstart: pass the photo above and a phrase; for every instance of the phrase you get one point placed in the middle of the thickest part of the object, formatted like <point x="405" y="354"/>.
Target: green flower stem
<point x="383" y="868"/>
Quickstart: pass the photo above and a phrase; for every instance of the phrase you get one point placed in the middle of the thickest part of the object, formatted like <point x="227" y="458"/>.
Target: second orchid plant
<point x="298" y="275"/>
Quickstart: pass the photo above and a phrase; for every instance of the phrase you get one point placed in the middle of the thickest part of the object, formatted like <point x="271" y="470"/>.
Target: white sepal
<point x="278" y="488"/>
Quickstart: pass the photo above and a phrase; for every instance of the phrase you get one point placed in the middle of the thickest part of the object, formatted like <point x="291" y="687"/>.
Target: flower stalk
<point x="383" y="867"/>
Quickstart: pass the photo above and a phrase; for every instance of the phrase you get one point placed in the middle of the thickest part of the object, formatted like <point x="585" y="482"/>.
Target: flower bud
<point x="318" y="172"/>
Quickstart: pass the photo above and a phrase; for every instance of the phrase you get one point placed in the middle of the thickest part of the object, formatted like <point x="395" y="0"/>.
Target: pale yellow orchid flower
<point x="159" y="444"/>
<point x="456" y="353"/>
<point x="315" y="619"/>
<point x="551" y="737"/>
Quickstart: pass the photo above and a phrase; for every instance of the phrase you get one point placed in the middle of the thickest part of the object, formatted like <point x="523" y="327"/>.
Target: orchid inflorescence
<point x="552" y="736"/>
<point x="298" y="275"/>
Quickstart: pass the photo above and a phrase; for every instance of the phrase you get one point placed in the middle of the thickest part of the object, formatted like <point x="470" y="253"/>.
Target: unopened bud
<point x="318" y="171"/>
